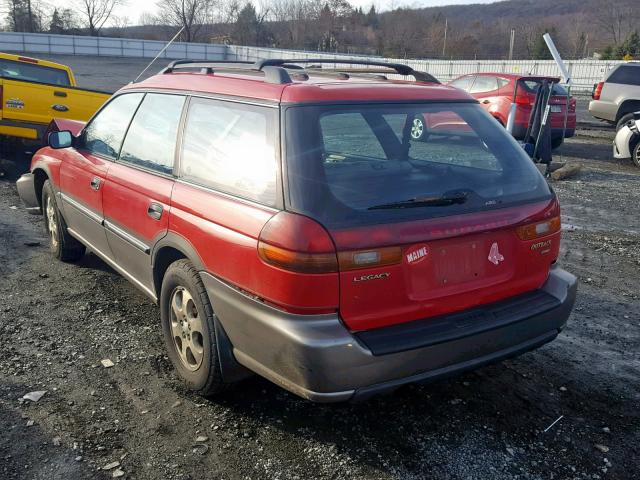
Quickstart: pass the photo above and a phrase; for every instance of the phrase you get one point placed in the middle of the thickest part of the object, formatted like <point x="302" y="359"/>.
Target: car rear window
<point x="531" y="86"/>
<point x="359" y="164"/>
<point x="33" y="73"/>
<point x="626" y="74"/>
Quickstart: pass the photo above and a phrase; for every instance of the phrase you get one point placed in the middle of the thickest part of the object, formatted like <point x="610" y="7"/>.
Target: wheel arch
<point x="174" y="247"/>
<point x="39" y="177"/>
<point x="626" y="107"/>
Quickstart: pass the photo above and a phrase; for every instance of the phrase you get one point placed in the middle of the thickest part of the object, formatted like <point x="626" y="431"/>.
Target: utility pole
<point x="511" y="42"/>
<point x="444" y="44"/>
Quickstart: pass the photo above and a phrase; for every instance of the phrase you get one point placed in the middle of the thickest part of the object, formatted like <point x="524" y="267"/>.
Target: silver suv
<point x="618" y="96"/>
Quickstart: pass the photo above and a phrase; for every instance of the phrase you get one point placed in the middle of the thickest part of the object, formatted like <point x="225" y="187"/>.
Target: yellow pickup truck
<point x="33" y="92"/>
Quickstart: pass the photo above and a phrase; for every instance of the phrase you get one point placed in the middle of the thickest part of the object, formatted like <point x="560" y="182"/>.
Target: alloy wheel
<point x="417" y="129"/>
<point x="52" y="224"/>
<point x="186" y="329"/>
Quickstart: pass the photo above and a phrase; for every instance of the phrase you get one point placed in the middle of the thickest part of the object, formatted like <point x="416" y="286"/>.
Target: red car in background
<point x="497" y="91"/>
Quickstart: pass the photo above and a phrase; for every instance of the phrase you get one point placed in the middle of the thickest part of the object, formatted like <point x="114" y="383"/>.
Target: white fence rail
<point x="584" y="72"/>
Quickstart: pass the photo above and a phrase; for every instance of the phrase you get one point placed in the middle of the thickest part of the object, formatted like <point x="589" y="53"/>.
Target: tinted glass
<point x="33" y="73"/>
<point x="231" y="148"/>
<point x="151" y="139"/>
<point x="463" y="83"/>
<point x="374" y="169"/>
<point x="627" y="74"/>
<point x="531" y="86"/>
<point x="503" y="82"/>
<point x="484" y="84"/>
<point x="103" y="136"/>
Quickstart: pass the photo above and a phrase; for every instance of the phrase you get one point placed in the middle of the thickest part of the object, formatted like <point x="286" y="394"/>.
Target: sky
<point x="135" y="8"/>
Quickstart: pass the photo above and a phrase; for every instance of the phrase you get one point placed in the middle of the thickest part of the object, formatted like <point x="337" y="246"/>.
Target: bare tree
<point x="192" y="15"/>
<point x="97" y="13"/>
<point x="617" y="21"/>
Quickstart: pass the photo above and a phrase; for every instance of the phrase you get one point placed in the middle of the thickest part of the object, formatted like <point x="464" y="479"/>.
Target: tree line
<point x="579" y="27"/>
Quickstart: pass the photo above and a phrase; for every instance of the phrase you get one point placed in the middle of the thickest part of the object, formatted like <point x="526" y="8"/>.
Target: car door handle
<point x="95" y="183"/>
<point x="486" y="101"/>
<point x="155" y="211"/>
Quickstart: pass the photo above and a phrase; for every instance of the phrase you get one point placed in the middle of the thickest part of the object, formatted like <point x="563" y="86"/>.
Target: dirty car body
<point x="341" y="257"/>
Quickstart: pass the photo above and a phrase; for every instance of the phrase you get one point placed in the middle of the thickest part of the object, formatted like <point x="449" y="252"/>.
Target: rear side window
<point x="230" y="147"/>
<point x="104" y="134"/>
<point x="30" y="72"/>
<point x="151" y="139"/>
<point x="484" y="84"/>
<point x="463" y="83"/>
<point x="626" y="74"/>
<point x="381" y="169"/>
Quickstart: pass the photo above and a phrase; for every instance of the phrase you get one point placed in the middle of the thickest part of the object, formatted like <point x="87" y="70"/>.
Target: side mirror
<point x="62" y="139"/>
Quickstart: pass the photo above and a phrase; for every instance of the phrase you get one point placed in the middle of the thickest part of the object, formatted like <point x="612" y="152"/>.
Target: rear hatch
<point x="527" y="88"/>
<point x="422" y="228"/>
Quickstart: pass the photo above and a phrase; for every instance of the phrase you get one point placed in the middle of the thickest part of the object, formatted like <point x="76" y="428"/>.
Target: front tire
<point x="188" y="325"/>
<point x="61" y="244"/>
<point x="419" y="130"/>
<point x="623" y="120"/>
<point x="635" y="154"/>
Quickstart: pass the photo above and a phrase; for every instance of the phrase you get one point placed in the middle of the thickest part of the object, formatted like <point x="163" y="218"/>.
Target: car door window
<point x="463" y="83"/>
<point x="484" y="84"/>
<point x="151" y="140"/>
<point x="231" y="147"/>
<point x="103" y="136"/>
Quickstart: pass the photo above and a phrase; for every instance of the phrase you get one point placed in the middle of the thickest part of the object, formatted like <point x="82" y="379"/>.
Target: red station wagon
<point x="288" y="225"/>
<point x="496" y="92"/>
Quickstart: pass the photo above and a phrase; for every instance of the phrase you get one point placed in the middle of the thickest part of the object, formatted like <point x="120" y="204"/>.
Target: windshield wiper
<point x="443" y="201"/>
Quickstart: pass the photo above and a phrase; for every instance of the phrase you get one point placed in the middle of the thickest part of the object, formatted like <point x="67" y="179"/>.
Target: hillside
<point x="579" y="27"/>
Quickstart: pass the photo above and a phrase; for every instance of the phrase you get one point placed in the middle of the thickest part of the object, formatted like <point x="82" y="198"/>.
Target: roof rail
<point x="399" y="68"/>
<point x="275" y="69"/>
<point x="272" y="74"/>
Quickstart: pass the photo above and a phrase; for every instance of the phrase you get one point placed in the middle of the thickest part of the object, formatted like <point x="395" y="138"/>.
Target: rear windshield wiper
<point x="443" y="201"/>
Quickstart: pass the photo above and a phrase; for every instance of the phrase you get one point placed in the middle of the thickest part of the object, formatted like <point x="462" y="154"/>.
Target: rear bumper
<point x="27" y="192"/>
<point x="519" y="131"/>
<point x="603" y="110"/>
<point x="316" y="357"/>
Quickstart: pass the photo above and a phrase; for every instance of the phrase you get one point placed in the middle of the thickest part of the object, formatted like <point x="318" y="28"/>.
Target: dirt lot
<point x="58" y="321"/>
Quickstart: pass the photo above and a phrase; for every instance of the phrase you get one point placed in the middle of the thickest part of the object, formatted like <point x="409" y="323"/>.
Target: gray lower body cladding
<point x="316" y="357"/>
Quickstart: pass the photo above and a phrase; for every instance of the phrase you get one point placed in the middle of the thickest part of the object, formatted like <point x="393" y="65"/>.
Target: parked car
<point x="288" y="225"/>
<point x="618" y="95"/>
<point x="496" y="92"/>
<point x="33" y="92"/>
<point x="627" y="141"/>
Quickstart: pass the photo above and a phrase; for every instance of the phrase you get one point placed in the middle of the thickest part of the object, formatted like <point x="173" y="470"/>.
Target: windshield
<point x="366" y="164"/>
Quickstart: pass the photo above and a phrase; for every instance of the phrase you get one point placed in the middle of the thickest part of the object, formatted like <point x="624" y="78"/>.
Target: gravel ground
<point x="58" y="321"/>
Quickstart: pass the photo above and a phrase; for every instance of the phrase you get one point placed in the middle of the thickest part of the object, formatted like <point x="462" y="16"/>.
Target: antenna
<point x="159" y="53"/>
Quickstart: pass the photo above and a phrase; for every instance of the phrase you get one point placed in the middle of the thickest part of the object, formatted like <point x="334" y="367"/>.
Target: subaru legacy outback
<point x="288" y="224"/>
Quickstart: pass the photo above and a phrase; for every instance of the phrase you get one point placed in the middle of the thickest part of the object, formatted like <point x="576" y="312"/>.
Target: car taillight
<point x="298" y="244"/>
<point x="597" y="91"/>
<point x="572" y="104"/>
<point x="545" y="223"/>
<point x="523" y="99"/>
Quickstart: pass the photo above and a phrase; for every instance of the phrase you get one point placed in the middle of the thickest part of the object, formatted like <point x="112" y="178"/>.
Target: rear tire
<point x="188" y="325"/>
<point x="556" y="142"/>
<point x="61" y="244"/>
<point x="623" y="120"/>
